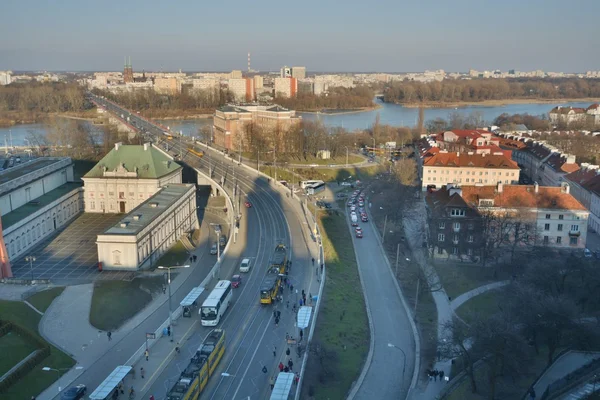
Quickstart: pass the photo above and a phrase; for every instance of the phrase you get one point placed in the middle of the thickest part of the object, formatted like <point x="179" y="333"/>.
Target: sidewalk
<point x="563" y="366"/>
<point x="463" y="298"/>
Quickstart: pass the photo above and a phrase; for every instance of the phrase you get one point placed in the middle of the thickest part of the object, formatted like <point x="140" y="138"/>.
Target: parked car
<point x="245" y="265"/>
<point x="74" y="393"/>
<point x="236" y="281"/>
<point x="587" y="253"/>
<point x="345" y="184"/>
<point x="213" y="249"/>
<point x="248" y="204"/>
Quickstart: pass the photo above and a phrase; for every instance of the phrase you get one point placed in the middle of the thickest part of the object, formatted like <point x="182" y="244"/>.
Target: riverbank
<point x="495" y="103"/>
<point x="330" y="111"/>
<point x="9" y="119"/>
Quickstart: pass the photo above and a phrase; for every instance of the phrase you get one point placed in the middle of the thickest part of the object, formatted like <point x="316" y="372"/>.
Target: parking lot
<point x="71" y="256"/>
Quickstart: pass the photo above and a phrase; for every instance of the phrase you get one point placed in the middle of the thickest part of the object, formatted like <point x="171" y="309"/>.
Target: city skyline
<point x="394" y="37"/>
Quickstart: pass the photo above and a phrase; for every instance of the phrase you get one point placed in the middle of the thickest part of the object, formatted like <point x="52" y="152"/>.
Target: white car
<point x="345" y="184"/>
<point x="245" y="265"/>
<point x="587" y="253"/>
<point x="353" y="208"/>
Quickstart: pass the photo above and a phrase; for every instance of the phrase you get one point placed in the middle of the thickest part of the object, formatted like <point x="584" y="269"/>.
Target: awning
<point x="304" y="317"/>
<point x="192" y="296"/>
<point x="283" y="385"/>
<point x="110" y="383"/>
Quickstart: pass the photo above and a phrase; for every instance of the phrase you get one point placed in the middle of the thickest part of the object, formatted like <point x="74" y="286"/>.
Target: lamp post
<point x="58" y="370"/>
<point x="404" y="359"/>
<point x="346" y="156"/>
<point x="169" y="284"/>
<point x="30" y="260"/>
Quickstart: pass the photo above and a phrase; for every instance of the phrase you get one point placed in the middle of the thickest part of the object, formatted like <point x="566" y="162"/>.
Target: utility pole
<point x="275" y="160"/>
<point x="397" y="255"/>
<point x="346" y="156"/>
<point x="384" y="225"/>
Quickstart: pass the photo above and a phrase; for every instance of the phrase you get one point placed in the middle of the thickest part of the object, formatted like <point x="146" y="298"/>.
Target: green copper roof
<point x="150" y="163"/>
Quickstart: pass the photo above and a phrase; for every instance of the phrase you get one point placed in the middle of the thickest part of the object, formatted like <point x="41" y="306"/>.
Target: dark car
<point x="222" y="241"/>
<point x="74" y="393"/>
<point x="236" y="281"/>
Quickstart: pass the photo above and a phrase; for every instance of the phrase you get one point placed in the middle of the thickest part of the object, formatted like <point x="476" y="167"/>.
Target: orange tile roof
<point x="569" y="167"/>
<point x="470" y="160"/>
<point x="522" y="196"/>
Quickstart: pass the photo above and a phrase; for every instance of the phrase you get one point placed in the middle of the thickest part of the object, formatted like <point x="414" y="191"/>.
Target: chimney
<point x="117" y="145"/>
<point x="536" y="187"/>
<point x="500" y="187"/>
<point x="454" y="190"/>
<point x="146" y="146"/>
<point x="565" y="188"/>
<point x="457" y="154"/>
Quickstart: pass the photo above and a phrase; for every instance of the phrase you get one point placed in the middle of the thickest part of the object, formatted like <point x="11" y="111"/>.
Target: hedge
<point x="26" y="367"/>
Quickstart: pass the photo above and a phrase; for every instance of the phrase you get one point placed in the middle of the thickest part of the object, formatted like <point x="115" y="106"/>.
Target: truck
<point x="354" y="219"/>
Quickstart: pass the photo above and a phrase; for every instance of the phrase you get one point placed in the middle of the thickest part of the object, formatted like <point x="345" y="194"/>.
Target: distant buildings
<point x="242" y="89"/>
<point x="235" y="74"/>
<point x="299" y="72"/>
<point x="128" y="72"/>
<point x="285" y="72"/>
<point x="5" y="77"/>
<point x="286" y="87"/>
<point x="167" y="85"/>
<point x="206" y="83"/>
<point x="574" y="115"/>
<point x="230" y="122"/>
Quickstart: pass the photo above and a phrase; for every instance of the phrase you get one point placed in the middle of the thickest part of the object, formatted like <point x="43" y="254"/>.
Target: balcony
<point x="574" y="233"/>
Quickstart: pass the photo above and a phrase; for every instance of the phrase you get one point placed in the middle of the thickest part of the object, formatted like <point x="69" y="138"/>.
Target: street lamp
<point x="30" y="260"/>
<point x="227" y="374"/>
<point x="404" y="360"/>
<point x="346" y="156"/>
<point x="58" y="370"/>
<point x="169" y="284"/>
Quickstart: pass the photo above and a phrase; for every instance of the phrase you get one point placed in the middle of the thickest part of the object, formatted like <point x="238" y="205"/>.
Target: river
<point x="390" y="114"/>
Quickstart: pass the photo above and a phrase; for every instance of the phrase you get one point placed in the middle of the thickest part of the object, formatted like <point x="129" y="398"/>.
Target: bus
<point x="305" y="184"/>
<point x="194" y="378"/>
<point x="216" y="304"/>
<point x="197" y="153"/>
<point x="269" y="288"/>
<point x="316" y="188"/>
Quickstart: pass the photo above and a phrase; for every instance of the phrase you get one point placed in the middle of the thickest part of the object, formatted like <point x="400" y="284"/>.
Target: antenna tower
<point x="249" y="70"/>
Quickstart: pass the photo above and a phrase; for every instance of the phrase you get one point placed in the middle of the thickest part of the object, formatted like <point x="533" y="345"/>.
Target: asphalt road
<point x="250" y="330"/>
<point x="389" y="375"/>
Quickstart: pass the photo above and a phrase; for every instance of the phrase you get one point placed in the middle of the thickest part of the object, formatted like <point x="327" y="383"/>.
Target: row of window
<point x="572" y="240"/>
<point x="474" y="173"/>
<point x="440" y="250"/>
<point x="471" y="180"/>
<point x="559" y="227"/>
<point x="455" y="238"/>
<point x="455" y="225"/>
<point x="560" y="216"/>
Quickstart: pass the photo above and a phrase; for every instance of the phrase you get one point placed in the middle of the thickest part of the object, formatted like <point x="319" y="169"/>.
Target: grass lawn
<point x="114" y="302"/>
<point x="177" y="255"/>
<point x="342" y="326"/>
<point x="42" y="300"/>
<point x="14" y="348"/>
<point x="484" y="304"/>
<point x="460" y="278"/>
<point x="37" y="380"/>
<point x="297" y="159"/>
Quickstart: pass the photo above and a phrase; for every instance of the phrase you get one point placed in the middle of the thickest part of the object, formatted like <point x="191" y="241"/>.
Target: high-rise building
<point x="167" y="85"/>
<point x="128" y="72"/>
<point x="5" y="77"/>
<point x="286" y="87"/>
<point x="299" y="72"/>
<point x="286" y="72"/>
<point x="258" y="82"/>
<point x="242" y="89"/>
<point x="206" y="83"/>
<point x="236" y="74"/>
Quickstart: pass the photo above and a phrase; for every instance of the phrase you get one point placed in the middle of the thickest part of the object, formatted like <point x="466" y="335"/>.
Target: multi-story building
<point x="567" y="115"/>
<point x="258" y="82"/>
<point x="37" y="198"/>
<point x="242" y="89"/>
<point x="230" y="122"/>
<point x="167" y="85"/>
<point x="286" y="87"/>
<point x="285" y="72"/>
<point x="531" y="159"/>
<point x="206" y="83"/>
<point x="299" y="72"/>
<point x="460" y="222"/>
<point x="443" y="167"/>
<point x="235" y="74"/>
<point x="5" y="77"/>
<point x="556" y="167"/>
<point x="585" y="187"/>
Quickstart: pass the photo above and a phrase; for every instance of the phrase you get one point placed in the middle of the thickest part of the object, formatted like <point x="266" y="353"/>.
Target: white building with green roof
<point x="127" y="176"/>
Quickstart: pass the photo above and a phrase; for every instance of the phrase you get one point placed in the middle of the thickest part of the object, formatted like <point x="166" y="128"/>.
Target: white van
<point x="245" y="265"/>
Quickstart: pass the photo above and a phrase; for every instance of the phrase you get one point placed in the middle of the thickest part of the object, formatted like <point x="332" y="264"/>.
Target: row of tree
<point x="35" y="97"/>
<point x="337" y="98"/>
<point x="543" y="309"/>
<point x="455" y="91"/>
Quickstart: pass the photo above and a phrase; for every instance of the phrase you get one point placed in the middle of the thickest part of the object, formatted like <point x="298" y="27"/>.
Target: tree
<point x="421" y="122"/>
<point x="456" y="343"/>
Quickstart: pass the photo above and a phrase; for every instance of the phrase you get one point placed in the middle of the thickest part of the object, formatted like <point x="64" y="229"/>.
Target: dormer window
<point x="486" y="203"/>
<point x="457" y="212"/>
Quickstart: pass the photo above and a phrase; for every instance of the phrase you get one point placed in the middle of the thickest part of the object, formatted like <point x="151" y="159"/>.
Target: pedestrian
<point x="291" y="287"/>
<point x="151" y="397"/>
<point x="274" y="351"/>
<point x="300" y="302"/>
<point x="274" y="313"/>
<point x="297" y="378"/>
<point x="435" y="374"/>
<point x="115" y="394"/>
<point x="294" y="307"/>
<point x="304" y="301"/>
<point x="278" y="314"/>
<point x="277" y="321"/>
<point x="177" y="349"/>
<point x="280" y="366"/>
<point x="310" y="298"/>
<point x="287" y="305"/>
<point x="429" y="374"/>
<point x="272" y="382"/>
<point x="313" y="261"/>
<point x="146" y="353"/>
<point x="317" y="271"/>
<point x="441" y="375"/>
<point x="121" y="388"/>
<point x="142" y="372"/>
<point x="286" y="369"/>
<point x="109" y="334"/>
<point x="301" y="334"/>
<point x="321" y="268"/>
<point x="302" y="292"/>
<point x="169" y="330"/>
<point x="290" y="364"/>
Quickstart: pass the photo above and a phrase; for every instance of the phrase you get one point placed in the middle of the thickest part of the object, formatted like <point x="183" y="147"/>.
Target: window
<point x="558" y="240"/>
<point x="116" y="257"/>
<point x="574" y="228"/>
<point x="547" y="216"/>
<point x="457" y="212"/>
<point x="131" y="194"/>
<point x="121" y="195"/>
<point x="546" y="240"/>
<point x="441" y="237"/>
<point x="470" y="226"/>
<point x="27" y="194"/>
<point x="442" y="225"/>
<point x="440" y="250"/>
<point x="111" y="194"/>
<point x="455" y="238"/>
<point x="470" y="238"/>
<point x="560" y="227"/>
<point x="455" y="251"/>
<point x="573" y="241"/>
<point x="92" y="205"/>
<point x="469" y="252"/>
<point x="456" y="226"/>
<point x="560" y="216"/>
<point x="546" y="227"/>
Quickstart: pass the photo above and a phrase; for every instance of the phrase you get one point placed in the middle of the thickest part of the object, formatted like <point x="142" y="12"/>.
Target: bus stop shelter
<point x="304" y="314"/>
<point x="190" y="300"/>
<point x="104" y="390"/>
<point x="283" y="386"/>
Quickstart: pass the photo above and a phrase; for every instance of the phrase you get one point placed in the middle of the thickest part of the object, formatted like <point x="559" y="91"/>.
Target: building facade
<point x="5" y="77"/>
<point x="167" y="85"/>
<point x="242" y="89"/>
<point x="585" y="187"/>
<point x="37" y="198"/>
<point x="140" y="238"/>
<point x="286" y="87"/>
<point x="299" y="72"/>
<point x="127" y="176"/>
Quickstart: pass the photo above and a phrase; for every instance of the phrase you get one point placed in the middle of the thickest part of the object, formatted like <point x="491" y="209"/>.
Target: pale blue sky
<point x="325" y="35"/>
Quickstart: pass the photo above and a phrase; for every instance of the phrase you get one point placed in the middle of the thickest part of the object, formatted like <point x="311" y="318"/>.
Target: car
<point x="74" y="393"/>
<point x="236" y="281"/>
<point x="353" y="208"/>
<point x="340" y="195"/>
<point x="222" y="241"/>
<point x="364" y="219"/>
<point x="345" y="184"/>
<point x="248" y="204"/>
<point x="327" y="205"/>
<point x="587" y="253"/>
<point x="313" y="165"/>
<point x="214" y="250"/>
<point x="359" y="235"/>
<point x="358" y="229"/>
<point x="245" y="265"/>
<point x="350" y="203"/>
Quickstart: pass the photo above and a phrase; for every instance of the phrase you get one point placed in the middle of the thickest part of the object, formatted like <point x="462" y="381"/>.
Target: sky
<point x="323" y="35"/>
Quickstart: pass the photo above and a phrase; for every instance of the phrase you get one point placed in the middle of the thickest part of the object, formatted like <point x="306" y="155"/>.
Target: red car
<point x="359" y="234"/>
<point x="248" y="204"/>
<point x="236" y="281"/>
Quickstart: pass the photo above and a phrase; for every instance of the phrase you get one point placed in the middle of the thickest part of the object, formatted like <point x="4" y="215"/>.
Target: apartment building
<point x="235" y="74"/>
<point x="299" y="72"/>
<point x="556" y="167"/>
<point x="242" y="89"/>
<point x="574" y="115"/>
<point x="5" y="77"/>
<point x="528" y="215"/>
<point x="167" y="85"/>
<point x="206" y="83"/>
<point x="585" y="187"/>
<point x="229" y="122"/>
<point x="258" y="82"/>
<point x="286" y="87"/>
<point x="444" y="167"/>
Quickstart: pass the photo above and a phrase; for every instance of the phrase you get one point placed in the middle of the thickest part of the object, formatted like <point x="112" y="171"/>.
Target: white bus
<point x="305" y="184"/>
<point x="216" y="304"/>
<point x="316" y="188"/>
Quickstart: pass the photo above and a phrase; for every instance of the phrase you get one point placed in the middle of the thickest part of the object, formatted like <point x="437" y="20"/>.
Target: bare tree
<point x="457" y="344"/>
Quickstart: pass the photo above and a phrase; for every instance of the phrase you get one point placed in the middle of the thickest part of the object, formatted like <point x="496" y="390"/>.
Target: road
<point x="250" y="330"/>
<point x="390" y="374"/>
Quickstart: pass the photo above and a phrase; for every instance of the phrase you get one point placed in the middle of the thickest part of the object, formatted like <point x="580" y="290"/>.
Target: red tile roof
<point x="566" y="110"/>
<point x="522" y="196"/>
<point x="559" y="163"/>
<point x="569" y="167"/>
<point x="470" y="160"/>
<point x="513" y="144"/>
<point x="582" y="176"/>
<point x="593" y="106"/>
